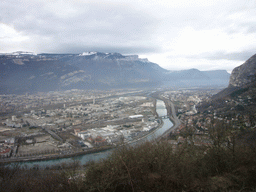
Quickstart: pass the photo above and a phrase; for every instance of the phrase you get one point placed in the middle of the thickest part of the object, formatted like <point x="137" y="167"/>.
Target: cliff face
<point x="242" y="80"/>
<point x="244" y="74"/>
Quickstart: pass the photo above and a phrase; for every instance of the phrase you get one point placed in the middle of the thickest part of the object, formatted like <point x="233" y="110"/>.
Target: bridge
<point x="164" y="117"/>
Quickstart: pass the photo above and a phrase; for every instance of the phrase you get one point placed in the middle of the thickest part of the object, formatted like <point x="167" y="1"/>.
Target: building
<point x="76" y="131"/>
<point x="100" y="141"/>
<point x="14" y="118"/>
<point x="10" y="141"/>
<point x="5" y="153"/>
<point x="84" y="135"/>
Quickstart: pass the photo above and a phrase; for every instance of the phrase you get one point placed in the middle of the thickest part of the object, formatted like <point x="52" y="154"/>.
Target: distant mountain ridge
<point x="23" y="72"/>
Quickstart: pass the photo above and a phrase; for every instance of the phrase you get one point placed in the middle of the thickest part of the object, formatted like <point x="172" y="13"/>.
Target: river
<point x="167" y="124"/>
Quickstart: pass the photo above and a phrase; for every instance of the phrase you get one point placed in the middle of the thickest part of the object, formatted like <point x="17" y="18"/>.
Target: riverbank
<point x="56" y="156"/>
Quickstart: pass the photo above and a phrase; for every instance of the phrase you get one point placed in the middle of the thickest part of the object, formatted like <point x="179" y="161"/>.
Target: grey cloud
<point x="106" y="25"/>
<point x="250" y="27"/>
<point x="237" y="56"/>
<point x="242" y="27"/>
<point x="131" y="27"/>
<point x="223" y="15"/>
<point x="111" y="49"/>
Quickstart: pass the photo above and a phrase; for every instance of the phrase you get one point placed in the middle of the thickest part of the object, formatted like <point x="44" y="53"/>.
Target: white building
<point x="84" y="135"/>
<point x="14" y="118"/>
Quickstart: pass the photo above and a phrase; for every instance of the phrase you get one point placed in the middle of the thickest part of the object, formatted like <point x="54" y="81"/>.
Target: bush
<point x="152" y="166"/>
<point x="156" y="167"/>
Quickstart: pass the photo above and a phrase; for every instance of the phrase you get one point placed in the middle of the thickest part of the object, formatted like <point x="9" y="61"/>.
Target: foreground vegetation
<point x="148" y="167"/>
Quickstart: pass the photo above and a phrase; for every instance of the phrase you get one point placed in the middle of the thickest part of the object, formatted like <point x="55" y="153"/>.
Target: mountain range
<point x="23" y="72"/>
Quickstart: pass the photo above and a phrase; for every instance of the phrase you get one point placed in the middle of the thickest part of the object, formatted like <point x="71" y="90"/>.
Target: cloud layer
<point x="175" y="34"/>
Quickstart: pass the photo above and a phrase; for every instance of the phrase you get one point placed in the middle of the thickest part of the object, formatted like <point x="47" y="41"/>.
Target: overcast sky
<point x="176" y="34"/>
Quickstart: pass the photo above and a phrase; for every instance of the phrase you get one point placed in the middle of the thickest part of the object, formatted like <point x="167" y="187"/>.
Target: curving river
<point x="167" y="124"/>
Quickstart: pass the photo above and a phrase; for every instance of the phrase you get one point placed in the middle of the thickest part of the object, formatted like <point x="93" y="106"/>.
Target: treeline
<point x="152" y="166"/>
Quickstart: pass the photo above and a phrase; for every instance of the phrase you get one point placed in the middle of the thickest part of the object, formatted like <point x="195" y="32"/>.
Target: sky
<point x="176" y="34"/>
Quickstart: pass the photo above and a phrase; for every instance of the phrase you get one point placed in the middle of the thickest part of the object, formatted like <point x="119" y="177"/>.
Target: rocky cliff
<point x="244" y="74"/>
<point x="242" y="81"/>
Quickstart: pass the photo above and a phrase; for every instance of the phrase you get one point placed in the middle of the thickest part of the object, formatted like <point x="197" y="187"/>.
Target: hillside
<point x="239" y="98"/>
<point x="242" y="81"/>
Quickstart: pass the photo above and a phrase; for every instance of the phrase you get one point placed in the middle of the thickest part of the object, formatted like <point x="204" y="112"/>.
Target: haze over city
<point x="177" y="35"/>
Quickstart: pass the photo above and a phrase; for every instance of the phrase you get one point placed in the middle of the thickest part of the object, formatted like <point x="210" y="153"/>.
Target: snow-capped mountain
<point x="29" y="72"/>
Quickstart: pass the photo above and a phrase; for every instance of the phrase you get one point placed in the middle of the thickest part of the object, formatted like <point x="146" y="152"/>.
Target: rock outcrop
<point x="244" y="74"/>
<point x="242" y="80"/>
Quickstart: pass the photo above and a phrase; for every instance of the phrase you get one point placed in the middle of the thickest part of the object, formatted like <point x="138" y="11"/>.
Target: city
<point x="74" y="123"/>
<point x="60" y="124"/>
